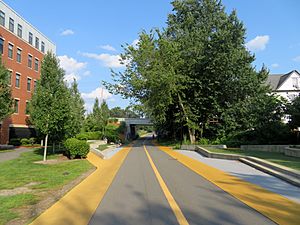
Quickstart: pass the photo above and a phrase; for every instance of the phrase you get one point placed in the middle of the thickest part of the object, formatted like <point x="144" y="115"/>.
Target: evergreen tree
<point x="5" y="92"/>
<point x="104" y="116"/>
<point x="50" y="104"/>
<point x="77" y="111"/>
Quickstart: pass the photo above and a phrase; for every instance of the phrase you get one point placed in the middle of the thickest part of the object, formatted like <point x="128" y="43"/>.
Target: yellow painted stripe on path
<point x="276" y="207"/>
<point x="177" y="211"/>
<point x="78" y="206"/>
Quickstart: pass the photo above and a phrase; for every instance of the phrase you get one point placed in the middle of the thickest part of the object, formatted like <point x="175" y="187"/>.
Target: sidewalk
<point x="15" y="153"/>
<point x="249" y="174"/>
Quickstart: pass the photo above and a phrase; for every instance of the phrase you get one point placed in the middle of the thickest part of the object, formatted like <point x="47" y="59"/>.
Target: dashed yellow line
<point x="78" y="206"/>
<point x="276" y="207"/>
<point x="174" y="206"/>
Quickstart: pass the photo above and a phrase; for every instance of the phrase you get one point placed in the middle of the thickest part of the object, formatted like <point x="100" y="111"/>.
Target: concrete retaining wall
<point x="6" y="147"/>
<point x="193" y="147"/>
<point x="295" y="152"/>
<point x="208" y="154"/>
<point x="265" y="148"/>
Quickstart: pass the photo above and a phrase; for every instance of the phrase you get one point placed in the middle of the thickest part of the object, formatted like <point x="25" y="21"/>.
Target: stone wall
<point x="264" y="148"/>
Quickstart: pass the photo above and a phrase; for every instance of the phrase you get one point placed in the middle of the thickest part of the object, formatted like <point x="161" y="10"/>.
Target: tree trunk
<point x="191" y="131"/>
<point x="53" y="148"/>
<point x="45" y="148"/>
<point x="192" y="135"/>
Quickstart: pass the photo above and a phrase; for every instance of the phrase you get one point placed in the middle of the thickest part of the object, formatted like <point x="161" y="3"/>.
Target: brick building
<point x="22" y="48"/>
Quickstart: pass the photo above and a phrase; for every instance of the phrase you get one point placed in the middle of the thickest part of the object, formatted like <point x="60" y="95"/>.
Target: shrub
<point x="32" y="141"/>
<point x="24" y="141"/>
<point x="15" y="141"/>
<point x="76" y="148"/>
<point x="204" y="141"/>
<point x="96" y="135"/>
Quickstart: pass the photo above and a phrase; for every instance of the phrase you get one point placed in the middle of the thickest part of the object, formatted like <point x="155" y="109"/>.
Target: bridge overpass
<point x="131" y="124"/>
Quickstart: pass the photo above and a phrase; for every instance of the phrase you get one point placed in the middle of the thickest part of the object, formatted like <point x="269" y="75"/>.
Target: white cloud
<point x="67" y="32"/>
<point x="297" y="59"/>
<point x="258" y="43"/>
<point x="69" y="64"/>
<point x="100" y="93"/>
<point x="72" y="67"/>
<point x="112" y="61"/>
<point x="87" y="73"/>
<point x="108" y="48"/>
<point x="69" y="78"/>
<point x="275" y="65"/>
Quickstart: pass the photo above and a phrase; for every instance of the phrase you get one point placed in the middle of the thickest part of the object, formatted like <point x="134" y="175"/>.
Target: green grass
<point x="169" y="143"/>
<point x="103" y="147"/>
<point x="275" y="157"/>
<point x="8" y="203"/>
<point x="21" y="171"/>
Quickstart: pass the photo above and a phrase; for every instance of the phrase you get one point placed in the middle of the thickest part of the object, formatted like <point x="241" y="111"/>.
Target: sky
<point x="89" y="34"/>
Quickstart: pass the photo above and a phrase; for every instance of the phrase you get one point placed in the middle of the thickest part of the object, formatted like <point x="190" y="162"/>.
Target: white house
<point x="285" y="85"/>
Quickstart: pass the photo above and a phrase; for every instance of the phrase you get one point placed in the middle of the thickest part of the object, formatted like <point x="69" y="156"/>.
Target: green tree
<point x="5" y="92"/>
<point x="190" y="74"/>
<point x="117" y="112"/>
<point x="293" y="110"/>
<point x="50" y="104"/>
<point x="77" y="111"/>
<point x="104" y="116"/>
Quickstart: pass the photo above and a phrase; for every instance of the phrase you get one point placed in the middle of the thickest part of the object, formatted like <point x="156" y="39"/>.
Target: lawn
<point x="275" y="157"/>
<point x="41" y="178"/>
<point x="104" y="146"/>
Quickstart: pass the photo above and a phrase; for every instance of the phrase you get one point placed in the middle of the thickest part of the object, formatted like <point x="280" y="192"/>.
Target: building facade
<point x="285" y="85"/>
<point x="22" y="48"/>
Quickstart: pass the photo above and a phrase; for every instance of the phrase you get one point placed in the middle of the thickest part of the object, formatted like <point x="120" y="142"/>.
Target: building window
<point x="2" y="18"/>
<point x="19" y="55"/>
<point x="36" y="64"/>
<point x="43" y="47"/>
<point x="30" y="61"/>
<point x="1" y="45"/>
<point x="28" y="84"/>
<point x="11" y="26"/>
<point x="37" y="42"/>
<point x="30" y="38"/>
<point x="34" y="85"/>
<point x="10" y="51"/>
<point x="9" y="77"/>
<point x="17" y="105"/>
<point x="20" y="28"/>
<point x="18" y="77"/>
<point x="27" y="108"/>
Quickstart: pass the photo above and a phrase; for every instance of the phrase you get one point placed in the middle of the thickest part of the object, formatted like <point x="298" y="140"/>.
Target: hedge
<point x="76" y="148"/>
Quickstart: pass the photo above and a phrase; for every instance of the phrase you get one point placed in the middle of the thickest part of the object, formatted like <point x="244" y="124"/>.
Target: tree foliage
<point x="50" y="104"/>
<point x="76" y="114"/>
<point x="5" y="92"/>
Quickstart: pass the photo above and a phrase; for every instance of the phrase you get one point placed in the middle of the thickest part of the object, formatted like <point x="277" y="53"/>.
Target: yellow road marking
<point x="78" y="206"/>
<point x="274" y="206"/>
<point x="177" y="211"/>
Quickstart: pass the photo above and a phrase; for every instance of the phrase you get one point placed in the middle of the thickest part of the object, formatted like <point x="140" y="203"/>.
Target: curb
<point x="286" y="174"/>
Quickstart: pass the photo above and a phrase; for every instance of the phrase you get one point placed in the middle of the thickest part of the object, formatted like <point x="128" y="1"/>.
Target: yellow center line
<point x="174" y="206"/>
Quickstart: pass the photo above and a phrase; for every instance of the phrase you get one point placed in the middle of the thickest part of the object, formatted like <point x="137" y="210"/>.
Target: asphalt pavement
<point x="137" y="197"/>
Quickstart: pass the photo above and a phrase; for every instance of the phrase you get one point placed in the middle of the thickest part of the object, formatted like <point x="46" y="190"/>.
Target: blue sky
<point x="88" y="36"/>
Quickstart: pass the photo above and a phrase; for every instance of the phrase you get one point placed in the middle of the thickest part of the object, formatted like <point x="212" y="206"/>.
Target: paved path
<point x="5" y="156"/>
<point x="249" y="174"/>
<point x="137" y="197"/>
